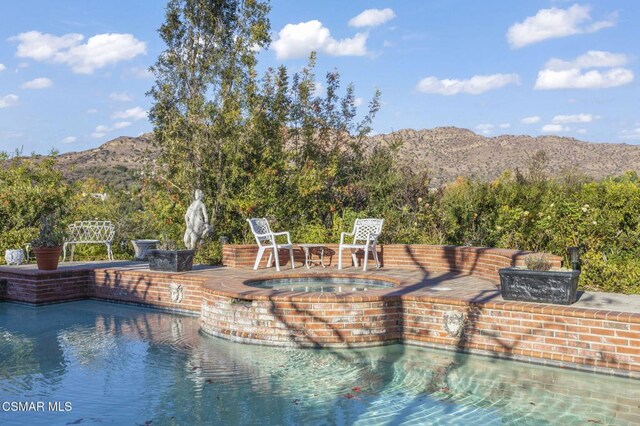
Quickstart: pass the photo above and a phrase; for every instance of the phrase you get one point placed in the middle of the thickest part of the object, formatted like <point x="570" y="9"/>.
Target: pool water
<point x="322" y="285"/>
<point x="116" y="364"/>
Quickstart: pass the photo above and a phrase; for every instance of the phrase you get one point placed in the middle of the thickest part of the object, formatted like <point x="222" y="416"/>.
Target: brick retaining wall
<point x="148" y="288"/>
<point x="477" y="261"/>
<point x="122" y="285"/>
<point x="301" y="324"/>
<point x="559" y="335"/>
<point x="3" y="289"/>
<point x="37" y="287"/>
<point x="589" y="338"/>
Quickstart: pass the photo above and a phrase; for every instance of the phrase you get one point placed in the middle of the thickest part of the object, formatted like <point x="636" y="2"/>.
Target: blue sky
<point x="73" y="73"/>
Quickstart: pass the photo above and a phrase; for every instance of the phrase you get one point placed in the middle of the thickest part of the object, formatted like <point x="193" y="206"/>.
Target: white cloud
<point x="582" y="131"/>
<point x="297" y="40"/>
<point x="372" y="18"/>
<point x="8" y="100"/>
<point x="591" y="59"/>
<point x="485" y="128"/>
<point x="560" y="74"/>
<point x="121" y="125"/>
<point x="43" y="47"/>
<point x="554" y="23"/>
<point x="37" y="83"/>
<point x="574" y="79"/>
<point x="120" y="97"/>
<point x="504" y="125"/>
<point x="358" y="101"/>
<point x="630" y="134"/>
<point x="2" y="67"/>
<point x="575" y="118"/>
<point x="69" y="139"/>
<point x="554" y="128"/>
<point x="99" y="51"/>
<point x="530" y="120"/>
<point x="101" y="130"/>
<point x="135" y="114"/>
<point x="475" y="85"/>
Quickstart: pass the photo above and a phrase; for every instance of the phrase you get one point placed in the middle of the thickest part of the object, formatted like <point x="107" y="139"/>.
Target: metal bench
<point x="89" y="232"/>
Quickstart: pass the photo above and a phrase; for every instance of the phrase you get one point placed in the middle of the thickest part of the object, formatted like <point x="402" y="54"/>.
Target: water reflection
<point x="129" y="365"/>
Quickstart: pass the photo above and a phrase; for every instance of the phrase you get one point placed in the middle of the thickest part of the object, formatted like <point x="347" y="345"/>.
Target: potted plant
<point x="537" y="282"/>
<point x="166" y="258"/>
<point x="48" y="245"/>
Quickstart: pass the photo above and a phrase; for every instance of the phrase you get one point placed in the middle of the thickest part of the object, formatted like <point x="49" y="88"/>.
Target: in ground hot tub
<point x="304" y="311"/>
<point x="321" y="284"/>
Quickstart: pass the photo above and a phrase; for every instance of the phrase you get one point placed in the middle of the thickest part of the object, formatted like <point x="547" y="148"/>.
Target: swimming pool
<point x="122" y="364"/>
<point x="321" y="284"/>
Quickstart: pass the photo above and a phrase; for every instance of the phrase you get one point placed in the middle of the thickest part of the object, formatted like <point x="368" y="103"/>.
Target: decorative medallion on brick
<point x="454" y="322"/>
<point x="177" y="292"/>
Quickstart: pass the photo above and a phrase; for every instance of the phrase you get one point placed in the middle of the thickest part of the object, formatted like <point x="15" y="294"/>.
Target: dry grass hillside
<point x="117" y="162"/>
<point x="447" y="152"/>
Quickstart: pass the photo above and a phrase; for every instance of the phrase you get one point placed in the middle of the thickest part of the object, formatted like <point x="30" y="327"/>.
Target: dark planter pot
<point x="170" y="260"/>
<point x="525" y="285"/>
<point x="47" y="258"/>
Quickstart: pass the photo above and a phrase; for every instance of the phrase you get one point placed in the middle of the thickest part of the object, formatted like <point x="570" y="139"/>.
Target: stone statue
<point x="197" y="221"/>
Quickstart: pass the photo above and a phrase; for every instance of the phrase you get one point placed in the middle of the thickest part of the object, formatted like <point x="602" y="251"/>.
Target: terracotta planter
<point x="47" y="257"/>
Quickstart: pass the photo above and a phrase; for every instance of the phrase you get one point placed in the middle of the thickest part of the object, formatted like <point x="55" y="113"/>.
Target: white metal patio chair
<point x="365" y="237"/>
<point x="266" y="239"/>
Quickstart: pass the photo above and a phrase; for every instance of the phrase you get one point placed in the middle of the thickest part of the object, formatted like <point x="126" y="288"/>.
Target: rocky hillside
<point x="447" y="152"/>
<point x="118" y="161"/>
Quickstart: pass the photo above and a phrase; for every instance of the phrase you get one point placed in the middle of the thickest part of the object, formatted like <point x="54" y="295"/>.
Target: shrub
<point x="537" y="262"/>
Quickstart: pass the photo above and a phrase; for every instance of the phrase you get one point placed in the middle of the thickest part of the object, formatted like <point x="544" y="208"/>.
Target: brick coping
<point x="481" y="262"/>
<point x="405" y="289"/>
<point x="234" y="285"/>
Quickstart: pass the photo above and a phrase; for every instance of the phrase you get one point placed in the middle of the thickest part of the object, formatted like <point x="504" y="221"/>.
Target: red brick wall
<point x="526" y="330"/>
<point x="561" y="335"/>
<point x="46" y="288"/>
<point x="121" y="285"/>
<point x="147" y="288"/>
<point x="301" y="324"/>
<point x="3" y="289"/>
<point x="478" y="261"/>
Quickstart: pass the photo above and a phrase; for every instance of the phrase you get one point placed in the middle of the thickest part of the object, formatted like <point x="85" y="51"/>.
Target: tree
<point x="204" y="80"/>
<point x="267" y="146"/>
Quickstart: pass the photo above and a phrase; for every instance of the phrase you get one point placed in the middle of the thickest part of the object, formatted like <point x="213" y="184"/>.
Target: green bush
<point x="30" y="190"/>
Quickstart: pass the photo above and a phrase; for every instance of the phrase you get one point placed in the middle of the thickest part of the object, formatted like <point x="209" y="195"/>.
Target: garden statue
<point x="197" y="222"/>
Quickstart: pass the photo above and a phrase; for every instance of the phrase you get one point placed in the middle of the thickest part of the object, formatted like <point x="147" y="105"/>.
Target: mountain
<point x="446" y="152"/>
<point x="118" y="161"/>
